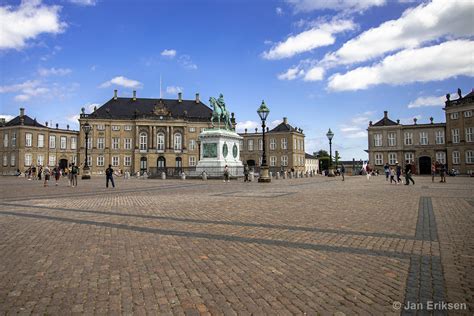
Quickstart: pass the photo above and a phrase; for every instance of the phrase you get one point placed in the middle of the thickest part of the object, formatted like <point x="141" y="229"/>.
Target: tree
<point x="321" y="153"/>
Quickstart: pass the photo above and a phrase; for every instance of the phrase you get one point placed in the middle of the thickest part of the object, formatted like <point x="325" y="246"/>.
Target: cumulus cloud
<point x="336" y="5"/>
<point x="251" y="125"/>
<point x="291" y="73"/>
<point x="84" y="2"/>
<point x="416" y="26"/>
<point x="168" y="53"/>
<point x="26" y="22"/>
<point x="173" y="90"/>
<point x="27" y="90"/>
<point x="428" y="101"/>
<point x="314" y="74"/>
<point x="356" y="127"/>
<point x="54" y="71"/>
<point x="123" y="82"/>
<point x="318" y="36"/>
<point x="438" y="62"/>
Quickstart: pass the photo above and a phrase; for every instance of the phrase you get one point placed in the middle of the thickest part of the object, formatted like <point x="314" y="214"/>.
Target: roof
<point x="385" y="122"/>
<point x="308" y="156"/>
<point x="282" y="127"/>
<point x="28" y="121"/>
<point x="127" y="108"/>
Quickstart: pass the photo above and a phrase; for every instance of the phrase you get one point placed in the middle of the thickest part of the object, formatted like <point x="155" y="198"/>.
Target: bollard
<point x="277" y="175"/>
<point x="270" y="174"/>
<point x="204" y="175"/>
<point x="163" y="176"/>
<point x="252" y="177"/>
<point x="183" y="176"/>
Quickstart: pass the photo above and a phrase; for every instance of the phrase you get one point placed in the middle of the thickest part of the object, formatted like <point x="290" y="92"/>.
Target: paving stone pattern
<point x="291" y="247"/>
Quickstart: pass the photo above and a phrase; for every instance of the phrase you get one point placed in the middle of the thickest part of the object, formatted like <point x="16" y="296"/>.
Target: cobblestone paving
<point x="295" y="246"/>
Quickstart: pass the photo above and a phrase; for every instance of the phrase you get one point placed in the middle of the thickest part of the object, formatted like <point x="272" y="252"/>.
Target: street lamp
<point x="264" y="175"/>
<point x="86" y="172"/>
<point x="330" y="135"/>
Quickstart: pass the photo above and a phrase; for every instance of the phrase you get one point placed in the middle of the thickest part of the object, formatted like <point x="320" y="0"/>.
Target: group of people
<point x="437" y="167"/>
<point x="394" y="171"/>
<point x="45" y="173"/>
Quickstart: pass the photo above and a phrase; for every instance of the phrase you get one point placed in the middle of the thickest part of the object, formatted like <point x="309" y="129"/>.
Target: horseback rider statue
<point x="220" y="112"/>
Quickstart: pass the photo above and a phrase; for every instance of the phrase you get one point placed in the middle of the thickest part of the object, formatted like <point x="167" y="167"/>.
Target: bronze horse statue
<point x="220" y="113"/>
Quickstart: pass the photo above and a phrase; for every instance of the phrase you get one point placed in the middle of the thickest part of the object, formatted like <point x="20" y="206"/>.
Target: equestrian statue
<point x="220" y="112"/>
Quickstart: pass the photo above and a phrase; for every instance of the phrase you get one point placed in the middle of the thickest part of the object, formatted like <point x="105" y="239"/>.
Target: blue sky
<point x="323" y="64"/>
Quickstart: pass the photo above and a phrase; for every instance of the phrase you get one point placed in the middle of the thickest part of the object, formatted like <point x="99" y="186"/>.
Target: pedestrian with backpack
<point x="109" y="175"/>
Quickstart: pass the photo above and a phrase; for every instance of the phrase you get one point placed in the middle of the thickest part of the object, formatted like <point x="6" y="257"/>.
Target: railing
<point x="194" y="172"/>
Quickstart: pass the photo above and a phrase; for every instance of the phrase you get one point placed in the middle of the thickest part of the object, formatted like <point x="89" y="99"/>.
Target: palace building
<point x="141" y="134"/>
<point x="450" y="143"/>
<point x="26" y="143"/>
<point x="285" y="149"/>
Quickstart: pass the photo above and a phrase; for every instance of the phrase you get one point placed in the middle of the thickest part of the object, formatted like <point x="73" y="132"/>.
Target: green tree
<point x="321" y="153"/>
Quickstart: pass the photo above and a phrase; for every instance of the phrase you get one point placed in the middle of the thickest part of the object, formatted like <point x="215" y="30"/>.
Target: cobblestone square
<point x="296" y="246"/>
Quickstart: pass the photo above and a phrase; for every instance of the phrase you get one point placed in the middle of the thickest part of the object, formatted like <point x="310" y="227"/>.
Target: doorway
<point x="143" y="165"/>
<point x="425" y="165"/>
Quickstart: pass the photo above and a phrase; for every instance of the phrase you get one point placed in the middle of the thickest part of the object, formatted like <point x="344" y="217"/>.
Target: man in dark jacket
<point x="109" y="175"/>
<point x="408" y="173"/>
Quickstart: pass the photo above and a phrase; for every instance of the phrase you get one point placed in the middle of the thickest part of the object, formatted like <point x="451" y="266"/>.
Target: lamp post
<point x="330" y="135"/>
<point x="263" y="113"/>
<point x="86" y="172"/>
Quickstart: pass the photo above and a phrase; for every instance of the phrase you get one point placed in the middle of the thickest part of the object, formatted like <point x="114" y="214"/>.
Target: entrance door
<point x="143" y="165"/>
<point x="63" y="164"/>
<point x="425" y="165"/>
<point x="161" y="163"/>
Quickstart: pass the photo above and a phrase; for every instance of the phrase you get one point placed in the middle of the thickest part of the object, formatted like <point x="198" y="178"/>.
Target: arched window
<point x="143" y="141"/>
<point x="161" y="162"/>
<point x="178" y="144"/>
<point x="160" y="141"/>
<point x="179" y="162"/>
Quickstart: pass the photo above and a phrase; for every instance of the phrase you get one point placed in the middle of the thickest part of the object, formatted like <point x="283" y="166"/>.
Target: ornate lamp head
<point x="86" y="128"/>
<point x="263" y="111"/>
<point x="330" y="134"/>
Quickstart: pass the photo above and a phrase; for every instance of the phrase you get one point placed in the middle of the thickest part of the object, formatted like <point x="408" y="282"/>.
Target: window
<point x="116" y="127"/>
<point x="143" y="141"/>
<point x="250" y="145"/>
<point x="192" y="144"/>
<point x="160" y="141"/>
<point x="392" y="139"/>
<point x="408" y="138"/>
<point x="456" y="157"/>
<point x="273" y="161"/>
<point x="439" y="137"/>
<point x="115" y="143"/>
<point x="100" y="142"/>
<point x="28" y="139"/>
<point x="127" y="127"/>
<point x="100" y="127"/>
<point x="63" y="142"/>
<point x="392" y="158"/>
<point x="89" y="160"/>
<point x="115" y="161"/>
<point x="272" y="144"/>
<point x="284" y="161"/>
<point x="5" y="140"/>
<point x="52" y="160"/>
<point x="13" y="139"/>
<point x="192" y="129"/>
<point x="469" y="134"/>
<point x="5" y="160"/>
<point x="423" y="138"/>
<point x="260" y="144"/>
<point x="454" y="116"/>
<point x="127" y="162"/>
<point x="294" y="144"/>
<point x="52" y="142"/>
<point x="378" y="159"/>
<point x="13" y="160"/>
<point x="192" y="161"/>
<point x="41" y="141"/>
<point x="89" y="143"/>
<point x="179" y="162"/>
<point x="73" y="142"/>
<point x="455" y="135"/>
<point x="127" y="143"/>
<point x="100" y="161"/>
<point x="284" y="143"/>
<point x="441" y="157"/>
<point x="177" y="141"/>
<point x="40" y="160"/>
<point x="377" y="140"/>
<point x="470" y="156"/>
<point x="467" y="113"/>
<point x="410" y="157"/>
<point x="74" y="160"/>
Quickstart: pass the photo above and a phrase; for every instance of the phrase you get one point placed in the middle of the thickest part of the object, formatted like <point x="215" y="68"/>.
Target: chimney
<point x="22" y="112"/>
<point x="385" y="114"/>
<point x="115" y="94"/>
<point x="180" y="97"/>
<point x="134" y="95"/>
<point x="285" y="120"/>
<point x="197" y="98"/>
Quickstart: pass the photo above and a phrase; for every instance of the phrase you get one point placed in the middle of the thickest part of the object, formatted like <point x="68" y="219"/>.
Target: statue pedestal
<point x="220" y="147"/>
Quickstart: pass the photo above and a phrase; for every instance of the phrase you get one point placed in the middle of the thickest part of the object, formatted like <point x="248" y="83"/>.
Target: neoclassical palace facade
<point x="450" y="143"/>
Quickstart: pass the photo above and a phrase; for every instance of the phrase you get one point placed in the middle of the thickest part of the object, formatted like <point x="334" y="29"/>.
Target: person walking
<point x="442" y="173"/>
<point x="392" y="176"/>
<point x="368" y="170"/>
<point x="343" y="171"/>
<point x="226" y="174"/>
<point x="246" y="173"/>
<point x="433" y="171"/>
<point x="399" y="172"/>
<point x="47" y="174"/>
<point x="57" y="174"/>
<point x="408" y="177"/>
<point x="40" y="171"/>
<point x="109" y="175"/>
<point x="386" y="169"/>
<point x="74" y="171"/>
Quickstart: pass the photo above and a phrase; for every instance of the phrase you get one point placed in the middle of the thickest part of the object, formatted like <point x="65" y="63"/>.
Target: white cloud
<point x="169" y="53"/>
<point x="22" y="97"/>
<point x="249" y="125"/>
<point x="54" y="71"/>
<point x="20" y="86"/>
<point x="27" y="90"/>
<point x="279" y="11"/>
<point x="427" y="101"/>
<point x="336" y="5"/>
<point x="89" y="107"/>
<point x="122" y="81"/>
<point x="318" y="36"/>
<point x="6" y="117"/>
<point x="173" y="90"/>
<point x="314" y="74"/>
<point x="186" y="62"/>
<point x="356" y="127"/>
<point x="439" y="62"/>
<point x="291" y="73"/>
<point x="416" y="26"/>
<point x="26" y="22"/>
<point x="73" y="118"/>
<point x="84" y="2"/>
